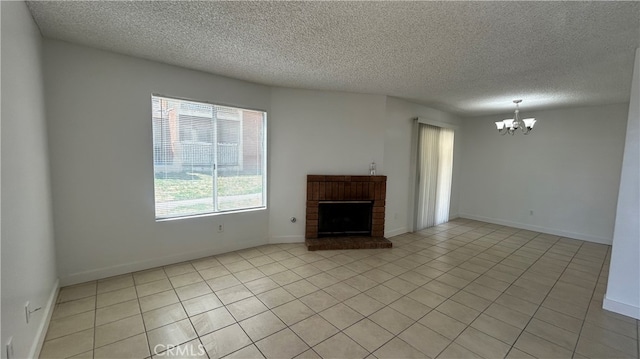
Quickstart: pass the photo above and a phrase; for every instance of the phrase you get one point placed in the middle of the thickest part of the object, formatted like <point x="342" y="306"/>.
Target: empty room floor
<point x="464" y="289"/>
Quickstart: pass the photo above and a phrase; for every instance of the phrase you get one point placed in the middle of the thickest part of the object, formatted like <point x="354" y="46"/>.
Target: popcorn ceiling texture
<point x="471" y="58"/>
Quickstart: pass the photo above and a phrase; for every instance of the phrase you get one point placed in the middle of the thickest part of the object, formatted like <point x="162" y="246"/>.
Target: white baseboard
<point x="36" y="347"/>
<point x="529" y="227"/>
<point x="395" y="232"/>
<point x="105" y="272"/>
<point x="621" y="308"/>
<point x="286" y="239"/>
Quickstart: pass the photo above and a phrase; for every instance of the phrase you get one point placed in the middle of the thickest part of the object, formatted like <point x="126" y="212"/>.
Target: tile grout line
<point x="198" y="336"/>
<point x="184" y="309"/>
<point x="540" y="305"/>
<point x="287" y="326"/>
<point x="340" y="302"/>
<point x="503" y="292"/>
<point x="461" y="289"/>
<point x="466" y="242"/>
<point x="584" y="320"/>
<point x="168" y="278"/>
<point x="144" y="325"/>
<point x="480" y="274"/>
<point x="238" y="322"/>
<point x="602" y="267"/>
<point x="393" y="336"/>
<point x="432" y="279"/>
<point x="138" y="302"/>
<point x="458" y="289"/>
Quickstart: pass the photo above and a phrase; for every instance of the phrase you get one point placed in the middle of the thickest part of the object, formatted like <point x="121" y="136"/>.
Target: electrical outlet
<point x="220" y="228"/>
<point x="10" y="348"/>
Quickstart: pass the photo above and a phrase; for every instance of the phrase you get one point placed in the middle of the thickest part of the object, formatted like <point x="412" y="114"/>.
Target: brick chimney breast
<point x="345" y="188"/>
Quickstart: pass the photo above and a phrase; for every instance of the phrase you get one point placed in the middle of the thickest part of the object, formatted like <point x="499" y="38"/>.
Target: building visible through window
<point x="207" y="158"/>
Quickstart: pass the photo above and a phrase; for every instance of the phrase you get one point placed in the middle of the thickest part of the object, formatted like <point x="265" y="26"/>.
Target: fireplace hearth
<point x="345" y="212"/>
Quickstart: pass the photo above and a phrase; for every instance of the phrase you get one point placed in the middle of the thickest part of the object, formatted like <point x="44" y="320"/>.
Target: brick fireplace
<point x="332" y="189"/>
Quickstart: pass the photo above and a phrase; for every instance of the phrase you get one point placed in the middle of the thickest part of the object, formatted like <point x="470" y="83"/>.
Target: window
<point x="207" y="158"/>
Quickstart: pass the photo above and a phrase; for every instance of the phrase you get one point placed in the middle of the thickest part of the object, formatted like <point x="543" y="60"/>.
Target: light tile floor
<point x="464" y="289"/>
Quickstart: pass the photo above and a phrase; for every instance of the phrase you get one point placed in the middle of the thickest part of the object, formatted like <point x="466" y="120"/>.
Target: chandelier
<point x="512" y="124"/>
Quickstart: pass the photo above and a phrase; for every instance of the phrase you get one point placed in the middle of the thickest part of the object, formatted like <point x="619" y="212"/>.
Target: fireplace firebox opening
<point x="344" y="218"/>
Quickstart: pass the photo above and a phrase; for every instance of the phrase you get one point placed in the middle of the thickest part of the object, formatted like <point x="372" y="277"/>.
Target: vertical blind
<point x="435" y="169"/>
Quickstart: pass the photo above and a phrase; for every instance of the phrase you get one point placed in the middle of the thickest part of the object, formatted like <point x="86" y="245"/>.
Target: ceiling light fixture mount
<point x="512" y="124"/>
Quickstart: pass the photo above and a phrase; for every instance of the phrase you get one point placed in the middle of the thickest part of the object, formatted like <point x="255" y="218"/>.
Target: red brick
<point x="352" y="192"/>
<point x="378" y="191"/>
<point x="334" y="178"/>
<point x="325" y="187"/>
<point x="360" y="178"/>
<point x="371" y="191"/>
<point x="315" y="178"/>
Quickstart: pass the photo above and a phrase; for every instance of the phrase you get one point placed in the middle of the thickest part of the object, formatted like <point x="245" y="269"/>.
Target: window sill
<point x="213" y="214"/>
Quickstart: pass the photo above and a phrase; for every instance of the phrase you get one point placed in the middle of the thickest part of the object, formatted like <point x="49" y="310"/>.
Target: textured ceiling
<point x="471" y="58"/>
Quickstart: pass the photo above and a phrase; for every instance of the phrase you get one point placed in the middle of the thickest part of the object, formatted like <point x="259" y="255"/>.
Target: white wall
<point x="318" y="132"/>
<point x="623" y="289"/>
<point x="566" y="171"/>
<point x="28" y="253"/>
<point x="321" y="132"/>
<point x="99" y="112"/>
<point x="398" y="151"/>
<point x="101" y="156"/>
